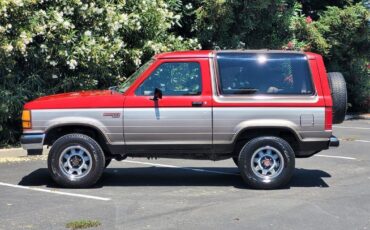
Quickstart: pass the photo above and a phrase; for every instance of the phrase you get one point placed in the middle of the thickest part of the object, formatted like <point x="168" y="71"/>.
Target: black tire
<point x="238" y="147"/>
<point x="236" y="161"/>
<point x="96" y="164"/>
<point x="286" y="163"/>
<point x="107" y="162"/>
<point x="34" y="152"/>
<point x="338" y="89"/>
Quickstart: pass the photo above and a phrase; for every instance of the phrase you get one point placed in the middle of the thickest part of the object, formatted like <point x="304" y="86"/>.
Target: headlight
<point x="26" y="119"/>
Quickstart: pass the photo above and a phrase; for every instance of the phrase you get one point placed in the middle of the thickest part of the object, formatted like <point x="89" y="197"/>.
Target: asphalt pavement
<point x="328" y="191"/>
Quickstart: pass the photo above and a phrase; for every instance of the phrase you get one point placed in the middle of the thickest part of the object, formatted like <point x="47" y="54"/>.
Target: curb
<point x="18" y="152"/>
<point x="357" y="116"/>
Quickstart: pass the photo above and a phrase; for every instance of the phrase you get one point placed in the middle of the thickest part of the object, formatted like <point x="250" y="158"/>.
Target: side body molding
<point x="77" y="121"/>
<point x="111" y="127"/>
<point x="265" y="123"/>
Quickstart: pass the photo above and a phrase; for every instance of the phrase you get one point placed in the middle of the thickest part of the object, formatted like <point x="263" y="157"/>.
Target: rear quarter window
<point x="264" y="73"/>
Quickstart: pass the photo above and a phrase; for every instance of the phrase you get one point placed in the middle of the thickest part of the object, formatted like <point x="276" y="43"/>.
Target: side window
<point x="272" y="73"/>
<point x="174" y="79"/>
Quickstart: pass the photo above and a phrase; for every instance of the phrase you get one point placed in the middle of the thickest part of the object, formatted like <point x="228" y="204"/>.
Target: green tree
<point x="338" y="30"/>
<point x="65" y="45"/>
<point x="313" y="8"/>
<point x="244" y="24"/>
<point x="342" y="36"/>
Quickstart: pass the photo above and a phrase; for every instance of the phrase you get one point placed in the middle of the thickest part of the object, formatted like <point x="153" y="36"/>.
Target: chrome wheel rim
<point x="75" y="162"/>
<point x="267" y="163"/>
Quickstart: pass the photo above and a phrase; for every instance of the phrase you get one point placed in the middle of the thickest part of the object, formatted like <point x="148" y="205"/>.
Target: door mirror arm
<point x="157" y="94"/>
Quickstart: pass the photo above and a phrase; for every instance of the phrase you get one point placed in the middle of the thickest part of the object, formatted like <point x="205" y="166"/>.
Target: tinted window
<point x="270" y="73"/>
<point x="174" y="79"/>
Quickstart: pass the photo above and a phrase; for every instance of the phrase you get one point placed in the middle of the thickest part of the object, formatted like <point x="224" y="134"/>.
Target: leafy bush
<point x="51" y="46"/>
<point x="65" y="45"/>
<point x="340" y="33"/>
<point x="342" y="36"/>
<point x="244" y="24"/>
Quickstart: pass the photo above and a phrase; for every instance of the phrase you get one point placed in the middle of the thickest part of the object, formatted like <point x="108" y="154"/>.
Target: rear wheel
<point x="76" y="161"/>
<point x="266" y="162"/>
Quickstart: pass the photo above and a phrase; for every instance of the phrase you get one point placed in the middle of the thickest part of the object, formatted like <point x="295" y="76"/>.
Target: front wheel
<point x="76" y="161"/>
<point x="266" y="162"/>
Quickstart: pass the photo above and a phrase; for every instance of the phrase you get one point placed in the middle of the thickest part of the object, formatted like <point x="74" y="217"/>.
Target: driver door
<point x="180" y="121"/>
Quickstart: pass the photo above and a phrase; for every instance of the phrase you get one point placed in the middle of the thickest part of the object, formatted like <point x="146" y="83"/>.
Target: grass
<point x="82" y="224"/>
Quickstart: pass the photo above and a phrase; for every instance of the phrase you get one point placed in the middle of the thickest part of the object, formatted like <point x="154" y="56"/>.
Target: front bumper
<point x="32" y="141"/>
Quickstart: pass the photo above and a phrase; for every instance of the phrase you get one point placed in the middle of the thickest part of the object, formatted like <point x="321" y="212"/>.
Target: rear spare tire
<point x="339" y="94"/>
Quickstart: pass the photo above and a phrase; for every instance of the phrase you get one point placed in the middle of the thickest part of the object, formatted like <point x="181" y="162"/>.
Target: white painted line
<point x="339" y="157"/>
<point x="363" y="141"/>
<point x="348" y="127"/>
<point x="54" y="192"/>
<point x="185" y="168"/>
<point x="349" y="139"/>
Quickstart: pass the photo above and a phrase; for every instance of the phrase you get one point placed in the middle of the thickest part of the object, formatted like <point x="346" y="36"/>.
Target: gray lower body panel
<point x="168" y="126"/>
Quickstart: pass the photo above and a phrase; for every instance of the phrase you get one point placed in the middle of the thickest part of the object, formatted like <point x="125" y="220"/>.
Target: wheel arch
<point x="248" y="133"/>
<point x="56" y="131"/>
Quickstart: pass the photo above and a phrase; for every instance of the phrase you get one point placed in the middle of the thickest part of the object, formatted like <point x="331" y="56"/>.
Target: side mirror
<point x="157" y="94"/>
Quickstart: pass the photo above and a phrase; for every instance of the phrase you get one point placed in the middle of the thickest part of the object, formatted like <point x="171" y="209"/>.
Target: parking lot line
<point x="179" y="167"/>
<point x="54" y="192"/>
<point x="339" y="157"/>
<point x="350" y="139"/>
<point x="365" y="141"/>
<point x="349" y="127"/>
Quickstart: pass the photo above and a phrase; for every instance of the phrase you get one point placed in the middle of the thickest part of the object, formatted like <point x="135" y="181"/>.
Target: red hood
<point x="83" y="99"/>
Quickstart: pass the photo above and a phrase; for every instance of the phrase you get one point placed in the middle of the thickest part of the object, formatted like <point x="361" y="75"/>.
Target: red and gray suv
<point x="261" y="108"/>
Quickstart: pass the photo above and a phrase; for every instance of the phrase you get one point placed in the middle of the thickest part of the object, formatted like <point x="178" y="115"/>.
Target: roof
<point x="208" y="53"/>
<point x="185" y="54"/>
<point x="259" y="51"/>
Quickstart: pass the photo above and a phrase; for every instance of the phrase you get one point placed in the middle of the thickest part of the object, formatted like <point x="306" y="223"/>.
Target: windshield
<point x="125" y="85"/>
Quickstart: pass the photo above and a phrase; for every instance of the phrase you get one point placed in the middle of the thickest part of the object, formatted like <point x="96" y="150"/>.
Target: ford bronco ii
<point x="261" y="108"/>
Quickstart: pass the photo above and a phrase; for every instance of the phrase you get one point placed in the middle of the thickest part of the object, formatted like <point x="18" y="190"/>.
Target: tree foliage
<point x="342" y="36"/>
<point x="338" y="30"/>
<point x="244" y="24"/>
<point x="51" y="46"/>
<point x="65" y="45"/>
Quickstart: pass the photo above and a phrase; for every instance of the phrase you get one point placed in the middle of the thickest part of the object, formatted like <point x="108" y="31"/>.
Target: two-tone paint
<point x="199" y="124"/>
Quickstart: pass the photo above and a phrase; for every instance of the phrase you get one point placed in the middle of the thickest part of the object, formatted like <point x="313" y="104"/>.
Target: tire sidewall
<point x="245" y="158"/>
<point x="339" y="95"/>
<point x="98" y="160"/>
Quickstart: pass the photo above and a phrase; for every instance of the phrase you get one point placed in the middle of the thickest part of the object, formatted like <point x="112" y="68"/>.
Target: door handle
<point x="197" y="103"/>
